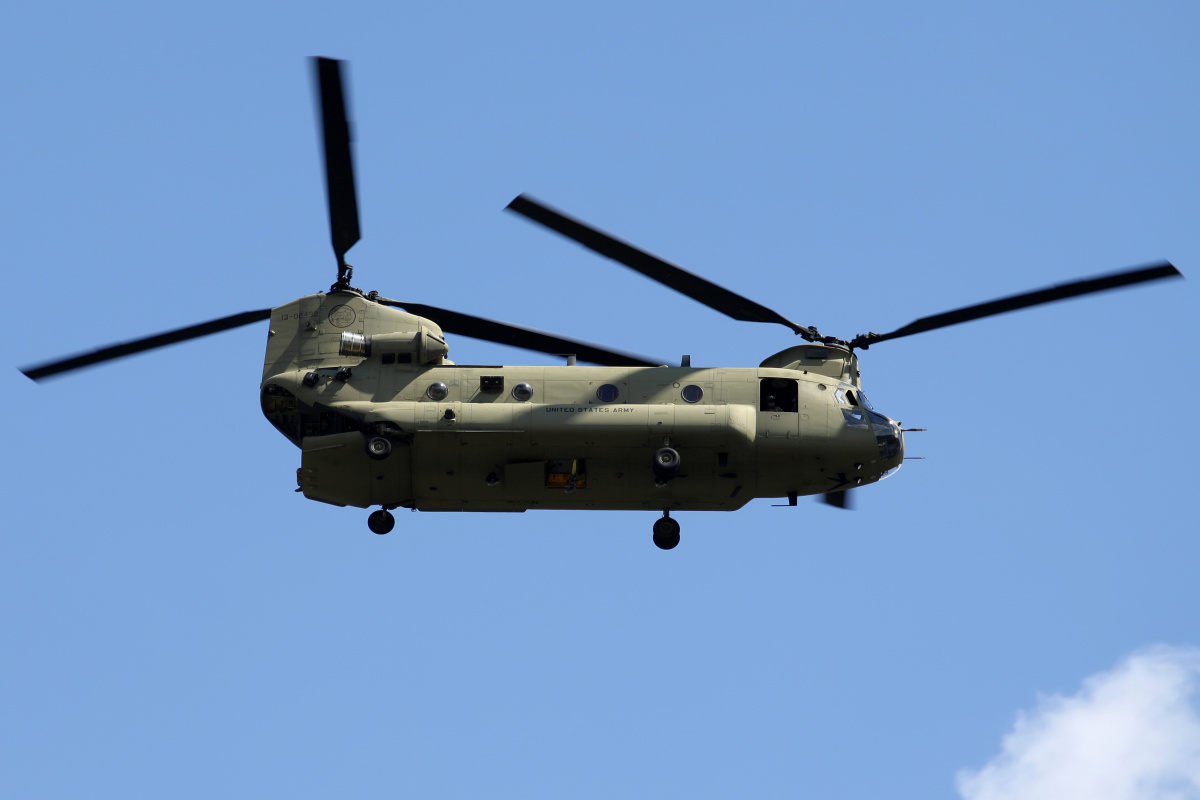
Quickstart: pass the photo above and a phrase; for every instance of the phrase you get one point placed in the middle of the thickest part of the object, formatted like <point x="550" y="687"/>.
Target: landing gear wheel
<point x="381" y="521"/>
<point x="378" y="448"/>
<point x="666" y="533"/>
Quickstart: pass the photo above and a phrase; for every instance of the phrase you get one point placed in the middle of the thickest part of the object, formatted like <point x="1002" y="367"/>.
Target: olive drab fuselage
<point x="343" y="372"/>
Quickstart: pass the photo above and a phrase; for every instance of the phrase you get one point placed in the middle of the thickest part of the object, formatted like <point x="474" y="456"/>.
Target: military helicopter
<point x="362" y="385"/>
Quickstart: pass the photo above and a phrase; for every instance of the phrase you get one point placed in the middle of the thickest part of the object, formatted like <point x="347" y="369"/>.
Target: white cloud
<point x="1132" y="733"/>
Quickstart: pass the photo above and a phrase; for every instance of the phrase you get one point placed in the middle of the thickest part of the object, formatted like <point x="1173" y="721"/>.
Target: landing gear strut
<point x="381" y="521"/>
<point x="666" y="532"/>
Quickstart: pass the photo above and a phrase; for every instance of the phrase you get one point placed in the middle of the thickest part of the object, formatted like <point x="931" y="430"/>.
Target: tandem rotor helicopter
<point x="362" y="385"/>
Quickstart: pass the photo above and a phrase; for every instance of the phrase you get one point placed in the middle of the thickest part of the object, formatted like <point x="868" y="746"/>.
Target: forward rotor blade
<point x="679" y="279"/>
<point x="517" y="336"/>
<point x="149" y="343"/>
<point x="1052" y="294"/>
<point x="840" y="499"/>
<point x="339" y="166"/>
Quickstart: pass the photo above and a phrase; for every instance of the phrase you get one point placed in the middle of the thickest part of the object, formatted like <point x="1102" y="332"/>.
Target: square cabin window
<point x="778" y="394"/>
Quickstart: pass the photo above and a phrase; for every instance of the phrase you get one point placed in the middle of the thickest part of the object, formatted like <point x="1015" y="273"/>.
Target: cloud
<point x="1132" y="733"/>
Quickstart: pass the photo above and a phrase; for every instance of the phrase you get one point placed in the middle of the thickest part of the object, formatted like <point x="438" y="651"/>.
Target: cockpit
<point x="858" y="412"/>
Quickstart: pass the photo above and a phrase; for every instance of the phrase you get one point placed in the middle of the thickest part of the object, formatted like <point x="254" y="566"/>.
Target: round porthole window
<point x="608" y="392"/>
<point x="522" y="392"/>
<point x="437" y="391"/>
<point x="692" y="393"/>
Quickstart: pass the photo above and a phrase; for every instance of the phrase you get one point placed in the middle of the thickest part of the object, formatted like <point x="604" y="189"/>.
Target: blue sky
<point x="178" y="621"/>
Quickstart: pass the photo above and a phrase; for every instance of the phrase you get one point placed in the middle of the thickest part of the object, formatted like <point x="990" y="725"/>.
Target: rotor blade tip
<point x="518" y="201"/>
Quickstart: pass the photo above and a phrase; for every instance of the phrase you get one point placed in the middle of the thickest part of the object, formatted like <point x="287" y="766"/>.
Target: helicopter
<point x="362" y="385"/>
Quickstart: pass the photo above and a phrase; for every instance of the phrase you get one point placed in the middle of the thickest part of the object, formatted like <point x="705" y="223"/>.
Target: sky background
<point x="177" y="622"/>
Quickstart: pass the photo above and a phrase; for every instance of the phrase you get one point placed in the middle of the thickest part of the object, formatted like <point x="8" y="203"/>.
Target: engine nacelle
<point x="342" y="328"/>
<point x="425" y="347"/>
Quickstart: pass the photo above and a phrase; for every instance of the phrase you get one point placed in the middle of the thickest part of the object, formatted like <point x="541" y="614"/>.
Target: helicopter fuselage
<point x="383" y="418"/>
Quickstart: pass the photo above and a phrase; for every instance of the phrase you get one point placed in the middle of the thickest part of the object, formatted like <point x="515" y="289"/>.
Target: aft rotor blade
<point x="1052" y="294"/>
<point x="149" y="343"/>
<point x="517" y="336"/>
<point x="679" y="279"/>
<point x="339" y="166"/>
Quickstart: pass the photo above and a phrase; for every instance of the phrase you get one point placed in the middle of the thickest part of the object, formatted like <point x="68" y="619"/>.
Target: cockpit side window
<point x="778" y="394"/>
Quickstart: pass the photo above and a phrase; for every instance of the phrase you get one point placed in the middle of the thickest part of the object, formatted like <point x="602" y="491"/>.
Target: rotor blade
<point x="1062" y="291"/>
<point x="679" y="279"/>
<point x="339" y="167"/>
<point x="149" y="343"/>
<point x="517" y="336"/>
<point x="840" y="499"/>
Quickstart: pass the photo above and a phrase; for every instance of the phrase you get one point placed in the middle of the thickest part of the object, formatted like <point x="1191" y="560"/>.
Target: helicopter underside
<point x="446" y="472"/>
<point x="489" y="453"/>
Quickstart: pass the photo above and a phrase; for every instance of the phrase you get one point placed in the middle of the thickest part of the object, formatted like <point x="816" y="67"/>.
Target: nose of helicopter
<point x="889" y="437"/>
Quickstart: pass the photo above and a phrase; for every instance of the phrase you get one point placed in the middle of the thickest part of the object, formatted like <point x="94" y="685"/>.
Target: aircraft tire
<point x="666" y="533"/>
<point x="381" y="521"/>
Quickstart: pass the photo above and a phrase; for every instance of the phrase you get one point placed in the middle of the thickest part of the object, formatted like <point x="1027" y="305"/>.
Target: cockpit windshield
<point x="887" y="434"/>
<point x="848" y="395"/>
